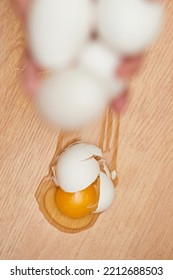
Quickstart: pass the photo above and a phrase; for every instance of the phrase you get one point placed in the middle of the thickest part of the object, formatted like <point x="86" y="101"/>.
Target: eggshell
<point x="77" y="168"/>
<point x="107" y="193"/>
<point x="85" y="151"/>
<point x="57" y="30"/>
<point x="113" y="174"/>
<point x="105" y="167"/>
<point x="129" y="26"/>
<point x="71" y="99"/>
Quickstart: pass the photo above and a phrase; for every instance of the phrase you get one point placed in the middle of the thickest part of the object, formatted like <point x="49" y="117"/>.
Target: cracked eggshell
<point x="85" y="151"/>
<point x="71" y="99"/>
<point x="77" y="168"/>
<point x="57" y="30"/>
<point x="129" y="26"/>
<point x="107" y="193"/>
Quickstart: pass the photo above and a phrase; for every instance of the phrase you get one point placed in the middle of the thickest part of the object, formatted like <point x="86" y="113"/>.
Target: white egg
<point x="57" y="30"/>
<point x="129" y="26"/>
<point x="77" y="168"/>
<point x="99" y="60"/>
<point x="71" y="99"/>
<point x="107" y="193"/>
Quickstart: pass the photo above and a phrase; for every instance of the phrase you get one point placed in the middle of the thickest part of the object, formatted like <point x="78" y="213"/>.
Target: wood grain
<point x="140" y="223"/>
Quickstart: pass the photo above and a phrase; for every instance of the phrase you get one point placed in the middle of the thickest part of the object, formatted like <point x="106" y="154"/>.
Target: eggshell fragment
<point x="107" y="193"/>
<point x="129" y="26"/>
<point x="105" y="168"/>
<point x="71" y="99"/>
<point x="57" y="30"/>
<point x="113" y="174"/>
<point x="77" y="168"/>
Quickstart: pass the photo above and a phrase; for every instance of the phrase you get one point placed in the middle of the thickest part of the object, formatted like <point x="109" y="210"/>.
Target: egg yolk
<point x="78" y="204"/>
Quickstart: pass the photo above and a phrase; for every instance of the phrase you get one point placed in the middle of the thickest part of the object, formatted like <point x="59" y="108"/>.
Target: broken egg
<point x="83" y="180"/>
<point x="77" y="167"/>
<point x="129" y="26"/>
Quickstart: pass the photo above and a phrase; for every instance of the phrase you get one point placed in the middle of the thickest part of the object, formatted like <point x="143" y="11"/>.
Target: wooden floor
<point x="140" y="223"/>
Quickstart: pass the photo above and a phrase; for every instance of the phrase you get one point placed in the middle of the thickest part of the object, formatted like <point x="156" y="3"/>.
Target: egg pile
<point x="82" y="43"/>
<point x="84" y="181"/>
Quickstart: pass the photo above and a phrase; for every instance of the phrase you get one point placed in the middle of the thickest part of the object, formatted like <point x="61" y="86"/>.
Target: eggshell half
<point x="85" y="151"/>
<point x="107" y="193"/>
<point x="57" y="30"/>
<point x="77" y="168"/>
<point x="71" y="99"/>
<point x="129" y="26"/>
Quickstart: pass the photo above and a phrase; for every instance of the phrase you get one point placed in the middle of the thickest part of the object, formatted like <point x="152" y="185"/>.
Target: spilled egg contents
<point x="78" y="204"/>
<point x="84" y="181"/>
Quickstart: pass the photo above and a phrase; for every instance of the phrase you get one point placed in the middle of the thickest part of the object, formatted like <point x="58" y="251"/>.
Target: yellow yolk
<point x="78" y="204"/>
